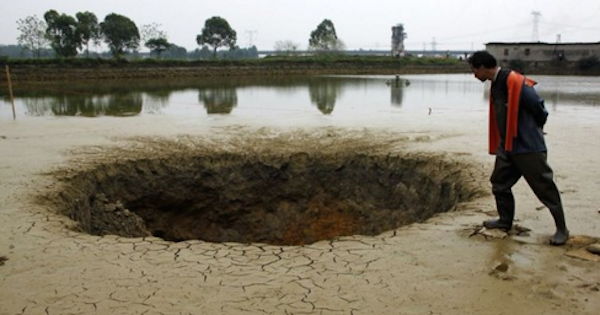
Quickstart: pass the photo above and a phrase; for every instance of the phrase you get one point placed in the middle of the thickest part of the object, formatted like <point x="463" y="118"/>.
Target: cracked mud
<point x="55" y="266"/>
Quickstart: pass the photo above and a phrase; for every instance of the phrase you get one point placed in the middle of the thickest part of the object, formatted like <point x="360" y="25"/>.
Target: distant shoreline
<point x="68" y="72"/>
<point x="46" y="73"/>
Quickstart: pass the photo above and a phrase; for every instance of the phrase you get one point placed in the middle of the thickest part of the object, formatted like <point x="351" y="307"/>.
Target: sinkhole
<point x="292" y="199"/>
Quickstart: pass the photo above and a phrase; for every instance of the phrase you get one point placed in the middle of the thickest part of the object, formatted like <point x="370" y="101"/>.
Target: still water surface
<point x="280" y="98"/>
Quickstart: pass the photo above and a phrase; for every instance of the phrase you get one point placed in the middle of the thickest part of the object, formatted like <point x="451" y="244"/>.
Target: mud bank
<point x="26" y="73"/>
<point x="438" y="266"/>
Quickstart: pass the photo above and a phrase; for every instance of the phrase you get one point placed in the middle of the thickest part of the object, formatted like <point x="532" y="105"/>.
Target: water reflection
<point x="569" y="89"/>
<point x="276" y="96"/>
<point x="126" y="104"/>
<point x="565" y="90"/>
<point x="218" y="100"/>
<point x="397" y="88"/>
<point x="324" y="93"/>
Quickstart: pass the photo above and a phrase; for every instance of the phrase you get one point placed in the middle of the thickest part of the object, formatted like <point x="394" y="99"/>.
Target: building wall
<point x="542" y="53"/>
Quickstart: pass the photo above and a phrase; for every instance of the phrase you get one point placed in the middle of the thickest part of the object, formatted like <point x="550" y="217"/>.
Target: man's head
<point x="483" y="65"/>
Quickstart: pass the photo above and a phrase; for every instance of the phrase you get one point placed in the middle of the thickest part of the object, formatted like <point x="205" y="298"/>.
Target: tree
<point x="217" y="33"/>
<point x="203" y="53"/>
<point x="158" y="45"/>
<point x="63" y="34"/>
<point x="176" y="52"/>
<point x="155" y="39"/>
<point x="151" y="31"/>
<point x="286" y="47"/>
<point x="120" y="33"/>
<point x="11" y="51"/>
<point x="88" y="28"/>
<point x="33" y="34"/>
<point x="239" y="53"/>
<point x="324" y="38"/>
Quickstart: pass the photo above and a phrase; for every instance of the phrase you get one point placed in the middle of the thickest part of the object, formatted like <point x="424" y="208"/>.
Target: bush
<point x="588" y="63"/>
<point x="518" y="65"/>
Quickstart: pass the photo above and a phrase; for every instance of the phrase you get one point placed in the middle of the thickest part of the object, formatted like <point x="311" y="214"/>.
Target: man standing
<point x="517" y="117"/>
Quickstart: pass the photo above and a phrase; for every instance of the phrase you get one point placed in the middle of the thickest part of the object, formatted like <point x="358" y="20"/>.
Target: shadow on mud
<point x="293" y="198"/>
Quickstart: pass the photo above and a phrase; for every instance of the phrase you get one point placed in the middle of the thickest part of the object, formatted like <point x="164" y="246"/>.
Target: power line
<point x="536" y="21"/>
<point x="469" y="37"/>
<point x="572" y="26"/>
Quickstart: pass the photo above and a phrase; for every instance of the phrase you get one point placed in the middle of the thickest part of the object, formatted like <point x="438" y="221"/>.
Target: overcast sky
<point x="366" y="24"/>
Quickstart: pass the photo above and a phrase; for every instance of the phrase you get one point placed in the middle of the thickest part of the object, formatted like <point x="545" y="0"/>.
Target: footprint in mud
<point x="517" y="230"/>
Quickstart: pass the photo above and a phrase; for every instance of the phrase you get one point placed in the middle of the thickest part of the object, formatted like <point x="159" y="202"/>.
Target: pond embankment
<point x="104" y="69"/>
<point x="60" y="72"/>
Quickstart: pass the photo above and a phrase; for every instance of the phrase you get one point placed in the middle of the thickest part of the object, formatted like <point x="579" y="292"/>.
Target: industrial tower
<point x="398" y="36"/>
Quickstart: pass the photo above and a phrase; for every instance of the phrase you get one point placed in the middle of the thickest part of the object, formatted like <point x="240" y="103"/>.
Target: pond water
<point x="279" y="99"/>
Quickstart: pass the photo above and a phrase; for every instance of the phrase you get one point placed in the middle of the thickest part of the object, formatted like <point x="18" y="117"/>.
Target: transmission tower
<point x="250" y="35"/>
<point x="434" y="44"/>
<point x="536" y="21"/>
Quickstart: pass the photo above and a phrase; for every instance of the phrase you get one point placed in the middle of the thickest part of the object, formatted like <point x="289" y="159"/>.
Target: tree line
<point x="69" y="36"/>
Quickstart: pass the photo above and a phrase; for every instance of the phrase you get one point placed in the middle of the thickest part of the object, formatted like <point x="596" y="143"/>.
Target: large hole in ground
<point x="291" y="199"/>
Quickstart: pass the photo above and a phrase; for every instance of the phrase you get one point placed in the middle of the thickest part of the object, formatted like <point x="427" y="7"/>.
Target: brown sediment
<point x="31" y="73"/>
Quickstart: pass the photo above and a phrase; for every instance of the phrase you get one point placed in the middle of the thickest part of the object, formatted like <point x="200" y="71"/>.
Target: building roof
<point x="540" y="43"/>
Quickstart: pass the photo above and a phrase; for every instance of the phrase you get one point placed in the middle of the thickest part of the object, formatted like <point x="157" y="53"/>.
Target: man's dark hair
<point x="482" y="58"/>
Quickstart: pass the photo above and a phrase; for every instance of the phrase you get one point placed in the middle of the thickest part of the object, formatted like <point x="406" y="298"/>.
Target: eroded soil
<point x="298" y="194"/>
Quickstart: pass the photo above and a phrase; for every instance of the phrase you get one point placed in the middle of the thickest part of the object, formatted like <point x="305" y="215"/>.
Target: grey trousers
<point x="534" y="167"/>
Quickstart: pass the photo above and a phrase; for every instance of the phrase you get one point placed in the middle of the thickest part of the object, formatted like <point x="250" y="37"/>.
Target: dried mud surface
<point x="446" y="264"/>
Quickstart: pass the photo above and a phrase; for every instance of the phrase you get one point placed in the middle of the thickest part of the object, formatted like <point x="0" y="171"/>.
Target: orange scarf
<point x="514" y="83"/>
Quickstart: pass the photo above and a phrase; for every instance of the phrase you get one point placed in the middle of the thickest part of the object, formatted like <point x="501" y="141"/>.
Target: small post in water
<point x="10" y="92"/>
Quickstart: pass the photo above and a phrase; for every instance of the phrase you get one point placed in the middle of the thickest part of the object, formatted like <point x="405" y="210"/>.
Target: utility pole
<point x="536" y="21"/>
<point x="250" y="35"/>
<point x="10" y="92"/>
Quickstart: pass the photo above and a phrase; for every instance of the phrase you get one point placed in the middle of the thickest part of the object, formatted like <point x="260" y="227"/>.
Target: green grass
<point x="321" y="60"/>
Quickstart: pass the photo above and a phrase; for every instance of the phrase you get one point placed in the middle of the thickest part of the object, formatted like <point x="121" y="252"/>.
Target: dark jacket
<point x="517" y="115"/>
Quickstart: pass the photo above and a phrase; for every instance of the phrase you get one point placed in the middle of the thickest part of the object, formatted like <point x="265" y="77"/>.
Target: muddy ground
<point x="45" y="73"/>
<point x="441" y="265"/>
